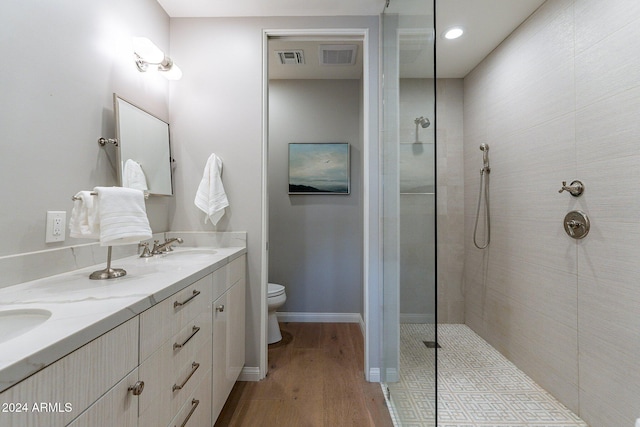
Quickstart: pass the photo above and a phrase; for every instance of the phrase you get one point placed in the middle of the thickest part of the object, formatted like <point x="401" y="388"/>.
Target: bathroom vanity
<point x="161" y="346"/>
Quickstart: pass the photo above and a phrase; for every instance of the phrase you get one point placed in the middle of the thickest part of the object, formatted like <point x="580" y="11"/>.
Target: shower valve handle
<point x="575" y="189"/>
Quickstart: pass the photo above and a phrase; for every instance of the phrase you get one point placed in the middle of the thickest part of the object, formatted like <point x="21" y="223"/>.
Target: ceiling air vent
<point x="290" y="57"/>
<point x="338" y="54"/>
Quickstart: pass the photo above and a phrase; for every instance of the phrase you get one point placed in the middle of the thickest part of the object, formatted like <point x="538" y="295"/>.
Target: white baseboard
<point x="374" y="375"/>
<point x="249" y="373"/>
<point x="320" y="317"/>
<point x="417" y="318"/>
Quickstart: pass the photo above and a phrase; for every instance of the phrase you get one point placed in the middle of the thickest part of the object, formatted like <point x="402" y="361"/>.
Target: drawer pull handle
<point x="137" y="388"/>
<point x="220" y="308"/>
<point x="195" y="330"/>
<point x="194" y="405"/>
<point x="194" y="367"/>
<point x="177" y="304"/>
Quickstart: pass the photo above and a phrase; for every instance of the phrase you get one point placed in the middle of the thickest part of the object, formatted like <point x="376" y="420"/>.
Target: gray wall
<point x="217" y="107"/>
<point x="315" y="243"/>
<point x="62" y="62"/>
<point x="559" y="101"/>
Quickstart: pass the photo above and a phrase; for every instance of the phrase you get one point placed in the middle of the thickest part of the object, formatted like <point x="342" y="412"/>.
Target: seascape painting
<point x="318" y="168"/>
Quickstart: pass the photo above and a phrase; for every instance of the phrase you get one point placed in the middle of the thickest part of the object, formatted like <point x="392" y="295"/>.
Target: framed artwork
<point x="319" y="168"/>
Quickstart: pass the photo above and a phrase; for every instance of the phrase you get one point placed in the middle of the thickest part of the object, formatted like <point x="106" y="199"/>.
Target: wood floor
<point x="315" y="378"/>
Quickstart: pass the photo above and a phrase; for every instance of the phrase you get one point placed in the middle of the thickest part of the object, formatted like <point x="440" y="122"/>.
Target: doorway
<point x="315" y="241"/>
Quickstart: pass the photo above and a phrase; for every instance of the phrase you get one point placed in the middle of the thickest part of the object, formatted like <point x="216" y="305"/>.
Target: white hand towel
<point x="83" y="222"/>
<point x="210" y="196"/>
<point x="123" y="216"/>
<point x="133" y="176"/>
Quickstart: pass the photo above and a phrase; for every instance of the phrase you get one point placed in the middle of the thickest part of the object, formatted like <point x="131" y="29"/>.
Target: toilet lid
<point x="274" y="290"/>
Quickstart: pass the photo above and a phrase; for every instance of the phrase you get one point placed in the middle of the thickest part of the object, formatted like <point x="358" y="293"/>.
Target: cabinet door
<point x="219" y="377"/>
<point x="118" y="407"/>
<point x="96" y="367"/>
<point x="235" y="332"/>
<point x="60" y="392"/>
<point x="17" y="403"/>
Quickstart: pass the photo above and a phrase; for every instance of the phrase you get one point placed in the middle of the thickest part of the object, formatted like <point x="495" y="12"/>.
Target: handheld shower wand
<point x="485" y="158"/>
<point x="484" y="187"/>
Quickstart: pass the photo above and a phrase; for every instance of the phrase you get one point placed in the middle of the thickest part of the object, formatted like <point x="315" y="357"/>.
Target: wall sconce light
<point x="149" y="55"/>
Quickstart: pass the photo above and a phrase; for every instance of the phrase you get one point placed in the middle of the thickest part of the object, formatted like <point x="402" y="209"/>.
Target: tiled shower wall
<point x="559" y="100"/>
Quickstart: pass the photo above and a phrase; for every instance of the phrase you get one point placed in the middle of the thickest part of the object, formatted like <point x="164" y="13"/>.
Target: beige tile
<point x="608" y="67"/>
<point x="609" y="383"/>
<point x="608" y="129"/>
<point x="543" y="348"/>
<point x="596" y="20"/>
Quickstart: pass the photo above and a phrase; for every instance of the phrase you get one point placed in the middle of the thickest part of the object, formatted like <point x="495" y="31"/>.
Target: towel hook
<point x="105" y="141"/>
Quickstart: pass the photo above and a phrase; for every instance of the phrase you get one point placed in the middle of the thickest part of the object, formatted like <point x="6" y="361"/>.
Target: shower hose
<point x="484" y="184"/>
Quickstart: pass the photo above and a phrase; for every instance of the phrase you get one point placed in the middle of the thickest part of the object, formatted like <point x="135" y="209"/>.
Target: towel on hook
<point x="133" y="176"/>
<point x="210" y="196"/>
<point x="83" y="223"/>
<point x="122" y="215"/>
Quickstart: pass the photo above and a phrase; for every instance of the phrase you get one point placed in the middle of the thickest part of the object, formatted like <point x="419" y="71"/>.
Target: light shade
<point x="147" y="50"/>
<point x="172" y="73"/>
<point x="148" y="54"/>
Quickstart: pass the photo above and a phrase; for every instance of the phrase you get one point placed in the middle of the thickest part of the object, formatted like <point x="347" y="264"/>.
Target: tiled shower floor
<point x="477" y="386"/>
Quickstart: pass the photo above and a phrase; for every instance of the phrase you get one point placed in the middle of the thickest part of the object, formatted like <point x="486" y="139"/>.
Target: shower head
<point x="424" y="122"/>
<point x="484" y="147"/>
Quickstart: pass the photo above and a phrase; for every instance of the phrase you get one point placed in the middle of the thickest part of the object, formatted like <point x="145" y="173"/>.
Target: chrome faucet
<point x="164" y="247"/>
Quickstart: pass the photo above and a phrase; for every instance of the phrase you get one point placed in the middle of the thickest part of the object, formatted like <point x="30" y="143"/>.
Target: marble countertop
<point x="83" y="309"/>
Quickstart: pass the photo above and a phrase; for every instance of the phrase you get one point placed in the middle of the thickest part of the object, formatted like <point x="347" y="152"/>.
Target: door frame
<point x="370" y="324"/>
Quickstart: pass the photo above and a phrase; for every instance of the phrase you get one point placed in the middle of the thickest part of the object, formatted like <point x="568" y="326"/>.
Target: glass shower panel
<point x="409" y="213"/>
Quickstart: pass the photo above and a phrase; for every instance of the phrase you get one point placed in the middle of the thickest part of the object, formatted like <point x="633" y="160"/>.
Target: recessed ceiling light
<point x="453" y="33"/>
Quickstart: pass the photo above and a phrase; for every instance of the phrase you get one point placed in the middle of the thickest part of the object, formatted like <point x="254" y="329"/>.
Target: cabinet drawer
<point x="196" y="411"/>
<point x="165" y="319"/>
<point x="171" y="375"/>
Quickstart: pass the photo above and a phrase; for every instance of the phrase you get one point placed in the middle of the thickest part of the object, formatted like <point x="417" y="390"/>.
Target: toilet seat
<point x="274" y="290"/>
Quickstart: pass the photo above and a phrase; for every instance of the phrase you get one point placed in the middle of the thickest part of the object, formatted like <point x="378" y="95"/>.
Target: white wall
<point x="217" y="107"/>
<point x="559" y="101"/>
<point x="62" y="62"/>
<point x="315" y="243"/>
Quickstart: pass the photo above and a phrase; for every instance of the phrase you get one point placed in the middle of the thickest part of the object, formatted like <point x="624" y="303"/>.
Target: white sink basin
<point x="14" y="323"/>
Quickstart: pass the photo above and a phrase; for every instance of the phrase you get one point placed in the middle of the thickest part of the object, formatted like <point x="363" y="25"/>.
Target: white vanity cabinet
<point x="188" y="349"/>
<point x="228" y="330"/>
<point x="59" y="393"/>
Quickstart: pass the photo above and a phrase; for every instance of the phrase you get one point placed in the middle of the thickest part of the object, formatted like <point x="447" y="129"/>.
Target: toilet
<point x="276" y="297"/>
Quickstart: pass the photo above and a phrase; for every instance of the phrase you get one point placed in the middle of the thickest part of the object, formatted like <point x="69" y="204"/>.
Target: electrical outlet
<point x="55" y="229"/>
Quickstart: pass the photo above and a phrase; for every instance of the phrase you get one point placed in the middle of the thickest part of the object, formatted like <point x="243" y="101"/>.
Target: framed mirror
<point x="144" y="149"/>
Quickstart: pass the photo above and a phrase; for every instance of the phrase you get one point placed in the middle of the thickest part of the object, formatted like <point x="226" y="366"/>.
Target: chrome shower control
<point x="576" y="188"/>
<point x="576" y="224"/>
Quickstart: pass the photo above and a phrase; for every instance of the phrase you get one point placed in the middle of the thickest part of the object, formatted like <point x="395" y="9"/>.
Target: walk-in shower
<point x="484" y="189"/>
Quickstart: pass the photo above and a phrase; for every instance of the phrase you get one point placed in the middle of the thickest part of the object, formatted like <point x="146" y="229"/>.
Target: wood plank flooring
<point x="315" y="379"/>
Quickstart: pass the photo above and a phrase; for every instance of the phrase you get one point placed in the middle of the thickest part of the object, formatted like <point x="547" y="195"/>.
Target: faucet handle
<point x="146" y="253"/>
<point x="575" y="189"/>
